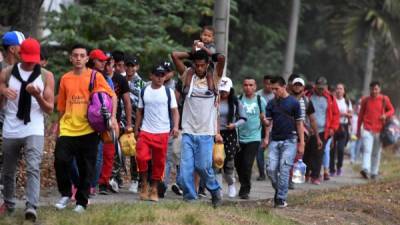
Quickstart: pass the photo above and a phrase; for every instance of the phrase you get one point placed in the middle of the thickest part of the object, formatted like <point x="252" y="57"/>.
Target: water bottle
<point x="299" y="172"/>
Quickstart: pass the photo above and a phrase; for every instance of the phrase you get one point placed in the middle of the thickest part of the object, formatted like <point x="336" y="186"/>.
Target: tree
<point x="364" y="22"/>
<point x="149" y="29"/>
<point x="21" y="15"/>
<point x="291" y="41"/>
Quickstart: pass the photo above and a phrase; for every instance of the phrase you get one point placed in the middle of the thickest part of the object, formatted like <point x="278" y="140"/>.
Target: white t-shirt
<point x="13" y="127"/>
<point x="156" y="119"/>
<point x="343" y="108"/>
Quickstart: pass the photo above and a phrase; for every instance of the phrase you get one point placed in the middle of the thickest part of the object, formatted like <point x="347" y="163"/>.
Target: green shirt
<point x="251" y="130"/>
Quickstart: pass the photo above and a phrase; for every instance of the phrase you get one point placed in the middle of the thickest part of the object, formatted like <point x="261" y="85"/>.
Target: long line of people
<point x="176" y="123"/>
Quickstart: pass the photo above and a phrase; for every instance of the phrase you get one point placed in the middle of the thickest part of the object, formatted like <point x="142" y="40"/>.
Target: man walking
<point x="29" y="93"/>
<point x="249" y="135"/>
<point x="287" y="127"/>
<point x="375" y="110"/>
<point x="77" y="139"/>
<point x="199" y="124"/>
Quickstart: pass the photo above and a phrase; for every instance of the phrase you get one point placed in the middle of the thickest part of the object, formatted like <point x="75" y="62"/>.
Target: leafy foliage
<point x="149" y="29"/>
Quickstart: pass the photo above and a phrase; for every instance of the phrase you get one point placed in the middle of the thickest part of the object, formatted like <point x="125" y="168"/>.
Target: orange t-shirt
<point x="73" y="98"/>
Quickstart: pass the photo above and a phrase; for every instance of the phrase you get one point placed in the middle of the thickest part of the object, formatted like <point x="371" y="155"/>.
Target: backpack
<point x="168" y="92"/>
<point x="99" y="107"/>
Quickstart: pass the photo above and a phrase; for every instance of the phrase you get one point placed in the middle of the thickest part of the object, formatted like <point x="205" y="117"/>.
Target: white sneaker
<point x="79" y="209"/>
<point x="134" y="186"/>
<point x="231" y="191"/>
<point x="62" y="203"/>
<point x="114" y="185"/>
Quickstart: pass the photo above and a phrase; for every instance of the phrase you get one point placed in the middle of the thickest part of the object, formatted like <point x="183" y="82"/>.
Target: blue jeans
<point x="196" y="154"/>
<point x="371" y="146"/>
<point x="99" y="165"/>
<point x="170" y="163"/>
<point x="261" y="161"/>
<point x="326" y="157"/>
<point x="355" y="147"/>
<point x="281" y="158"/>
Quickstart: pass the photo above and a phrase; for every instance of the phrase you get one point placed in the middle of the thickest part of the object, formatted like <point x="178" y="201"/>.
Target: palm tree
<point x="363" y="23"/>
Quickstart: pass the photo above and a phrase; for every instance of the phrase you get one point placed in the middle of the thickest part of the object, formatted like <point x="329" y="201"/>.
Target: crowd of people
<point x="175" y="123"/>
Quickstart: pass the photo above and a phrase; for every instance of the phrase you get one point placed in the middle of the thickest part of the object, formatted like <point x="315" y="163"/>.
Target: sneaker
<point x="62" y="203"/>
<point x="162" y="189"/>
<point x="261" y="178"/>
<point x="244" y="196"/>
<point x="315" y="181"/>
<point x="326" y="176"/>
<point x="339" y="172"/>
<point x="364" y="174"/>
<point x="5" y="209"/>
<point x="231" y="191"/>
<point x="202" y="193"/>
<point x="280" y="203"/>
<point x="291" y="184"/>
<point x="30" y="214"/>
<point x="332" y="173"/>
<point x="216" y="199"/>
<point x="103" y="189"/>
<point x="114" y="185"/>
<point x="134" y="186"/>
<point x="374" y="176"/>
<point x="79" y="209"/>
<point x="176" y="189"/>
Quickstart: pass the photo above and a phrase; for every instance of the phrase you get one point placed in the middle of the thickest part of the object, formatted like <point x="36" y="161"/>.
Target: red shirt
<point x="371" y="112"/>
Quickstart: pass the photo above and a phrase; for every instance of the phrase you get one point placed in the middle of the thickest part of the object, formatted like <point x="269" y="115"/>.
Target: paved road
<point x="260" y="190"/>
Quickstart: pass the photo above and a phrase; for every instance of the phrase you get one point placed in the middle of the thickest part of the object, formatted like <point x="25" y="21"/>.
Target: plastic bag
<point x="218" y="155"/>
<point x="128" y="144"/>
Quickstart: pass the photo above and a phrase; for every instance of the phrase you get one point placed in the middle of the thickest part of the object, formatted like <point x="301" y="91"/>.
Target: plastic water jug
<point x="299" y="172"/>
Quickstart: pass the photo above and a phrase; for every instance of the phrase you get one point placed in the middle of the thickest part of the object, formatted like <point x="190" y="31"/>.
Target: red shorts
<point x="152" y="147"/>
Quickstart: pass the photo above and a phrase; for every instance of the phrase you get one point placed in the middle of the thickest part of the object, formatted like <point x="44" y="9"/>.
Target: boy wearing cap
<point x="157" y="107"/>
<point x="135" y="83"/>
<point x="29" y="93"/>
<point x="327" y="118"/>
<point x="296" y="89"/>
<point x="11" y="44"/>
<point x="284" y="112"/>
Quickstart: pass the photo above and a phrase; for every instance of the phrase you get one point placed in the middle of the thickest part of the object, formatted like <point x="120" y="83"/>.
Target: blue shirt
<point x="284" y="113"/>
<point x="251" y="130"/>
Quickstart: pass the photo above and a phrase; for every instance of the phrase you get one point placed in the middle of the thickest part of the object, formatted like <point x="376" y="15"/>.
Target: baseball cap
<point x="321" y="81"/>
<point x="13" y="38"/>
<point x="298" y="80"/>
<point x="131" y="60"/>
<point x="225" y="84"/>
<point x="98" y="54"/>
<point x="30" y="51"/>
<point x="167" y="66"/>
<point x="159" y="70"/>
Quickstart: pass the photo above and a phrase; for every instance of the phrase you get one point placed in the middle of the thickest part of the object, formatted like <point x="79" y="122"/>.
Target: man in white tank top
<point x="28" y="93"/>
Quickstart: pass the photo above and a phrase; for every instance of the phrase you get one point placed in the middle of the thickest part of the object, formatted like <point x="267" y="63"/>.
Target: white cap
<point x="298" y="80"/>
<point x="225" y="84"/>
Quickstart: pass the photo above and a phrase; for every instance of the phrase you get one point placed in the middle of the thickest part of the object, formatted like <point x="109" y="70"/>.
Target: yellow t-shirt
<point x="73" y="98"/>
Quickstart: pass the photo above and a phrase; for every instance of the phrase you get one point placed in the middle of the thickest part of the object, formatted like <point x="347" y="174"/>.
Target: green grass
<point x="163" y="213"/>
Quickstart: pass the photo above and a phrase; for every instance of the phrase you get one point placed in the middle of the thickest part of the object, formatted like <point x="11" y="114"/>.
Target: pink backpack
<point x="99" y="108"/>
